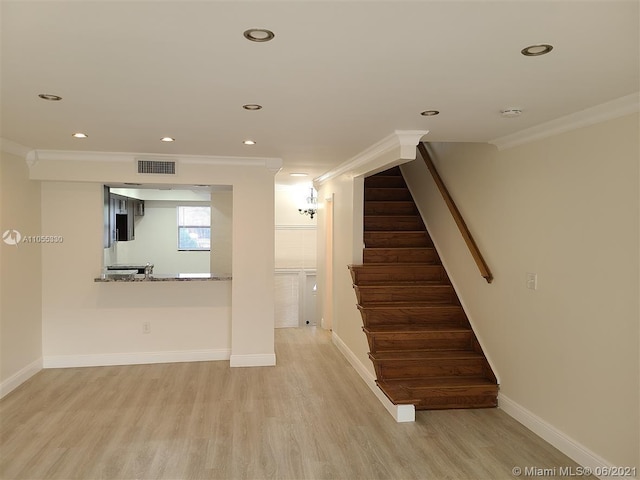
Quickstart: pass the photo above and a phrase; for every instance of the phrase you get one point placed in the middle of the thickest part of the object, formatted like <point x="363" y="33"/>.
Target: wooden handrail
<point x="471" y="244"/>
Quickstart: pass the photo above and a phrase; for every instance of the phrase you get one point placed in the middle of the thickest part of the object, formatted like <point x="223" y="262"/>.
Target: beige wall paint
<point x="20" y="287"/>
<point x="347" y="323"/>
<point x="566" y="208"/>
<point x="69" y="291"/>
<point x="221" y="257"/>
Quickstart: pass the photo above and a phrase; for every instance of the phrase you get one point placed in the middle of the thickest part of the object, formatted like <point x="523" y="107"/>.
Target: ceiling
<point x="338" y="77"/>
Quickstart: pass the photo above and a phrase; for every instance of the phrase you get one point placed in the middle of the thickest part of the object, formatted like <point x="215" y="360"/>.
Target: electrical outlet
<point x="146" y="327"/>
<point x="532" y="281"/>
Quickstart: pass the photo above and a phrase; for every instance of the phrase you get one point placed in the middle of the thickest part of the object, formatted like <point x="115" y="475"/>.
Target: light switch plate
<point x="532" y="281"/>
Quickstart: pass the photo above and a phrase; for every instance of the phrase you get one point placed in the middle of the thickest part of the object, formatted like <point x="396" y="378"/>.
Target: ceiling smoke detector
<point x="511" y="112"/>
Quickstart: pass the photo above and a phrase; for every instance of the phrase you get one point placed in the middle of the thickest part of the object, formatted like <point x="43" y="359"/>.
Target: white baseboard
<point x="21" y="376"/>
<point x="401" y="413"/>
<point x="572" y="449"/>
<point x="254" y="360"/>
<point x="107" y="359"/>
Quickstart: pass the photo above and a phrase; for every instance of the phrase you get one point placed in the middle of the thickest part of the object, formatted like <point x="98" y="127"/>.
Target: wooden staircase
<point x="421" y="343"/>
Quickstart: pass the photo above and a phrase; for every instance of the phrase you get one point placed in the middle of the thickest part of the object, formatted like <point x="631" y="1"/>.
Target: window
<point x="194" y="228"/>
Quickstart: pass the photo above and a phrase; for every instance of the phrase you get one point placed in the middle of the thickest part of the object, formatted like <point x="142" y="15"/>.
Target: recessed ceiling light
<point x="430" y="113"/>
<point x="258" y="35"/>
<point x="252" y="106"/>
<point x="249" y="142"/>
<point x="167" y="139"/>
<point x="536" y="50"/>
<point x="80" y="135"/>
<point x="299" y="174"/>
<point x="511" y="112"/>
<point x="50" y="97"/>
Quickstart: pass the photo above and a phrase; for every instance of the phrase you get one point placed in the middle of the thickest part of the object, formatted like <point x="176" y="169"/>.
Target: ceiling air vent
<point x="157" y="167"/>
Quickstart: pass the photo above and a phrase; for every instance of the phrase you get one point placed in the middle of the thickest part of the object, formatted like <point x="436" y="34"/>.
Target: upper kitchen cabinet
<point x="119" y="217"/>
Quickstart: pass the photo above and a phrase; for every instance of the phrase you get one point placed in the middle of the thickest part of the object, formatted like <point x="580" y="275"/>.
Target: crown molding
<point x="404" y="140"/>
<point x="600" y="113"/>
<point x="14" y="148"/>
<point x="35" y="156"/>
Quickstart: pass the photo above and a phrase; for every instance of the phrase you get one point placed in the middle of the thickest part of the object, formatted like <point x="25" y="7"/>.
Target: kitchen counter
<point x="132" y="276"/>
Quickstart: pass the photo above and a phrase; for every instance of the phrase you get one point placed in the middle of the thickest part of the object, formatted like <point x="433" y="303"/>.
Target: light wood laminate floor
<point x="310" y="417"/>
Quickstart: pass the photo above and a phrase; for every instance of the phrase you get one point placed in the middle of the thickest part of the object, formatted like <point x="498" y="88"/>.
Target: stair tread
<point x="396" y="265"/>
<point x="408" y="283"/>
<point x="425" y="355"/>
<point x="402" y="283"/>
<point x="405" y="304"/>
<point x="440" y="328"/>
<point x="414" y="391"/>
<point x="398" y="248"/>
<point x="396" y="305"/>
<point x="431" y="382"/>
<point x="384" y="202"/>
<point x="396" y="233"/>
<point x="394" y="217"/>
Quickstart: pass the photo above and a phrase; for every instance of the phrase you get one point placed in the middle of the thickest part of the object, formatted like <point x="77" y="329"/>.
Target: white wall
<point x="156" y="242"/>
<point x="567" y="209"/>
<point x="81" y="317"/>
<point x="85" y="322"/>
<point x="295" y="257"/>
<point x="295" y="233"/>
<point x="20" y="267"/>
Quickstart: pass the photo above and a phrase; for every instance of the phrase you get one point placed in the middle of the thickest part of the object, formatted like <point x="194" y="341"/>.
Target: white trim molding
<point x="600" y="113"/>
<point x="35" y="156"/>
<point x="401" y="413"/>
<point x="571" y="448"/>
<point x="21" y="376"/>
<point x="403" y="142"/>
<point x="253" y="360"/>
<point x="136" y="358"/>
<point x="14" y="148"/>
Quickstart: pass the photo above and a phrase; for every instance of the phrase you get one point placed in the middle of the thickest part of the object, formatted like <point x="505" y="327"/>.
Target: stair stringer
<point x="402" y="412"/>
<point x="443" y="260"/>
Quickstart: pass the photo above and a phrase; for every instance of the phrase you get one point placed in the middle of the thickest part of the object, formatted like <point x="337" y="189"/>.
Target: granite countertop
<point x="133" y="276"/>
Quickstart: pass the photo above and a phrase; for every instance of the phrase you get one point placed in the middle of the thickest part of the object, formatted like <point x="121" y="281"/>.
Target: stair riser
<point x="438" y="295"/>
<point x="392" y="224"/>
<point x="376" y="275"/>
<point x="391" y="255"/>
<point x="390" y="208"/>
<point x="384" y="182"/>
<point x="453" y="316"/>
<point x="387" y="194"/>
<point x="398" y="369"/>
<point x="380" y="342"/>
<point x="397" y="239"/>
